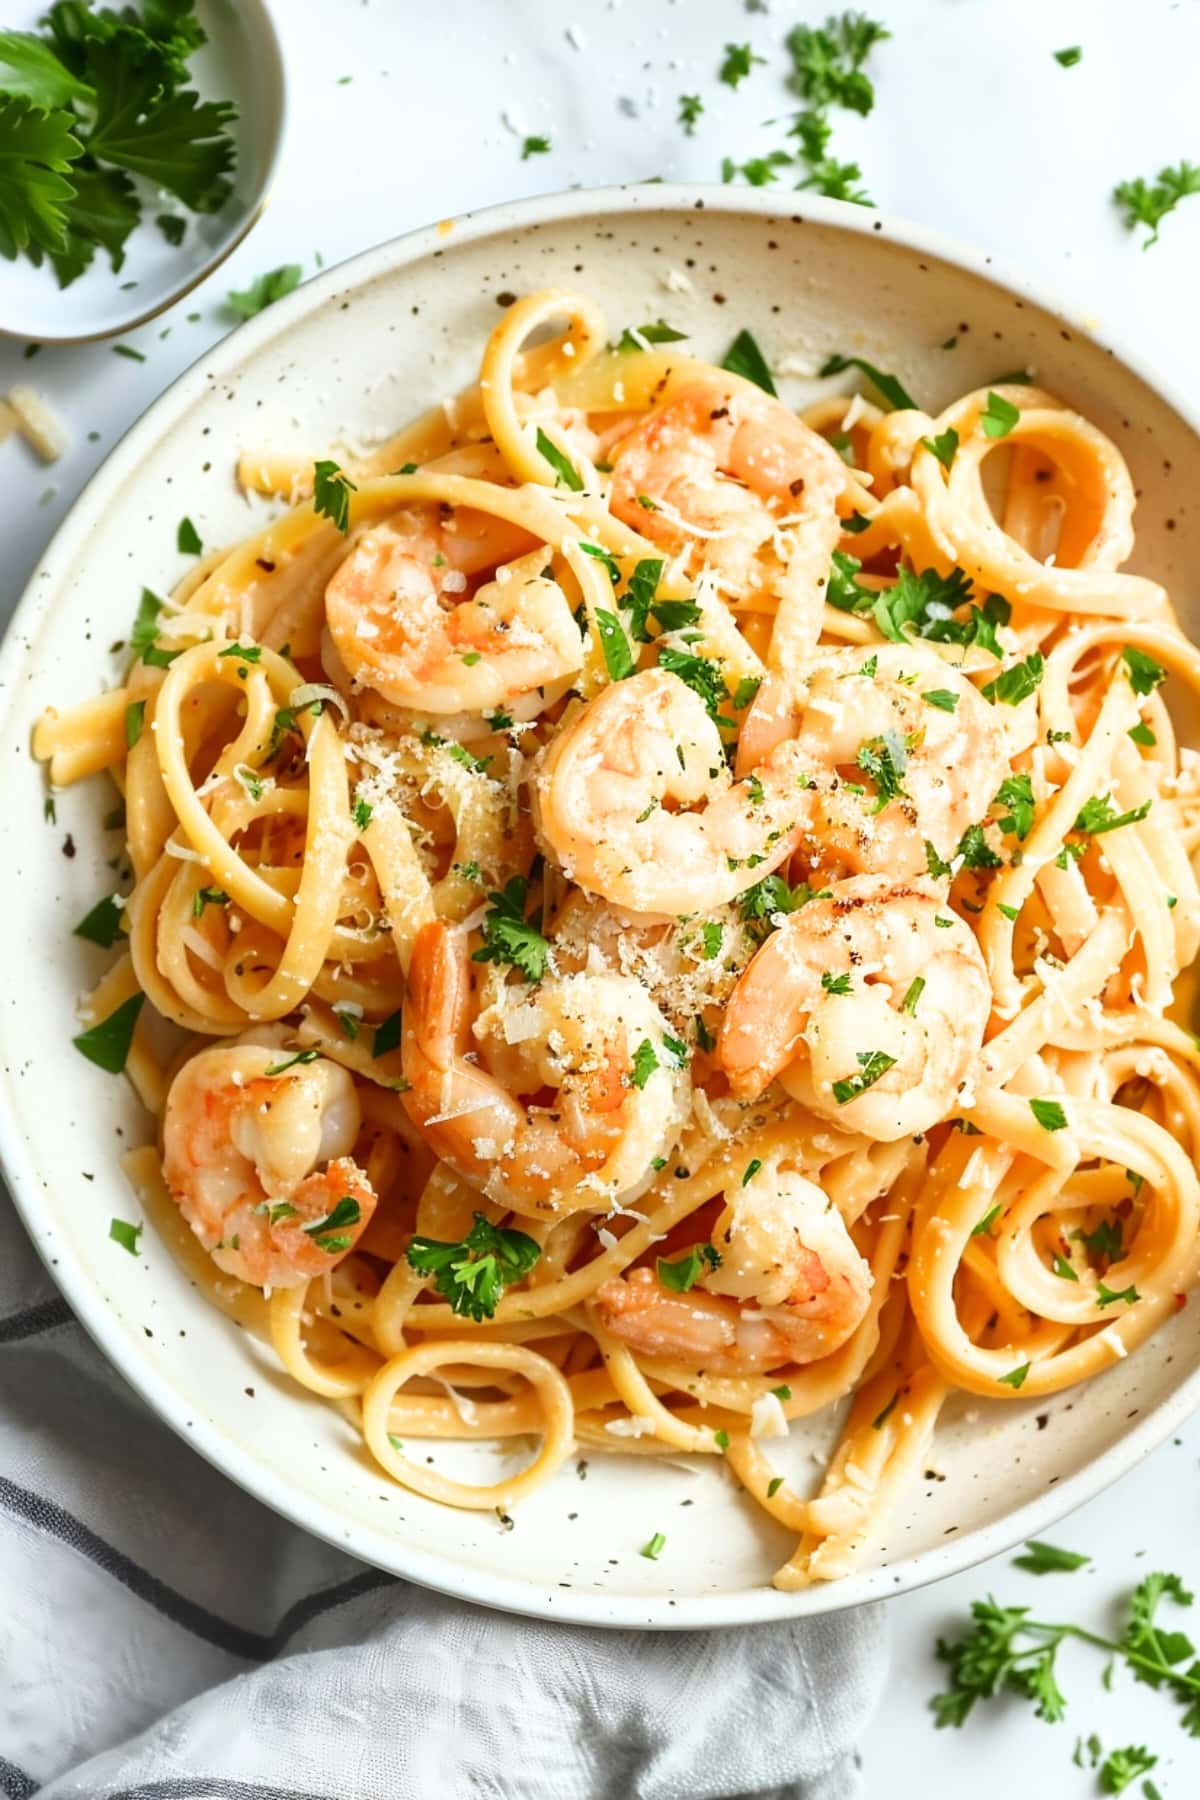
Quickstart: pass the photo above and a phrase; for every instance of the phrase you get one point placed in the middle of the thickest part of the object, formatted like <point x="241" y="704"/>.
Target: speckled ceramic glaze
<point x="348" y="357"/>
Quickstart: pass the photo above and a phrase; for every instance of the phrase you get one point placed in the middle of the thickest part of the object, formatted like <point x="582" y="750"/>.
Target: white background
<point x="977" y="131"/>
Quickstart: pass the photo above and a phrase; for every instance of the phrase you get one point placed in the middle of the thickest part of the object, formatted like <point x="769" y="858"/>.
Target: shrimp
<point x="610" y="791"/>
<point x="899" y="748"/>
<point x="781" y="1283"/>
<point x="599" y="1040"/>
<point x="746" y="488"/>
<point x="256" y="1162"/>
<point x="402" y="623"/>
<point x="871" y="1005"/>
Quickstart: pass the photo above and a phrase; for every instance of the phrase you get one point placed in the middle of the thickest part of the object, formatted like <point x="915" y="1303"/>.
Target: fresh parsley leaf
<point x="1145" y="674"/>
<point x="565" y="472"/>
<point x="1120" y="1767"/>
<point x="738" y="61"/>
<point x="691" y="106"/>
<point x="473" y="1273"/>
<point x="1106" y="1296"/>
<point x="264" y="290"/>
<point x="645" y="1062"/>
<point x="983" y="1227"/>
<point x="187" y="539"/>
<point x="975" y="850"/>
<point x="1015" y="1377"/>
<point x="619" y="659"/>
<point x="697" y="672"/>
<point x="680" y="1276"/>
<point x="135" y="717"/>
<point x="329" y="1233"/>
<point x="362" y="814"/>
<point x="29" y="69"/>
<point x="180" y="143"/>
<point x="1146" y="203"/>
<point x="998" y="416"/>
<point x="942" y="698"/>
<point x="896" y="395"/>
<point x="1098" y="816"/>
<point x="640" y="337"/>
<point x="103" y="924"/>
<point x="387" y="1035"/>
<point x="1069" y="57"/>
<point x="836" y="984"/>
<point x="107" y="1044"/>
<point x="827" y="62"/>
<point x="758" y="171"/>
<point x="873" y="1064"/>
<point x="1018" y="682"/>
<point x="884" y="759"/>
<point x="744" y="358"/>
<point x="535" y="146"/>
<point x="36" y="149"/>
<point x="1048" y="1559"/>
<point x="1049" y="1114"/>
<point x="1016" y="793"/>
<point x="770" y="896"/>
<point x="1141" y="734"/>
<point x="332" y="488"/>
<point x="944" y="446"/>
<point x="508" y="936"/>
<point x="127" y="1235"/>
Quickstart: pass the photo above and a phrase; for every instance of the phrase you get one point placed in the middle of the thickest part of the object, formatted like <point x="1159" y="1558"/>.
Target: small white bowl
<point x="242" y="62"/>
<point x="357" y="351"/>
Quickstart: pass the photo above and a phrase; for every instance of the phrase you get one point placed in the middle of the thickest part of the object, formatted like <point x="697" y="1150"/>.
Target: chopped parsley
<point x="1015" y="1377"/>
<point x="698" y="673"/>
<point x="738" y="61"/>
<point x="208" y="896"/>
<point x="107" y="1044"/>
<point x="264" y="290"/>
<point x="942" y="698"/>
<point x="645" y="1061"/>
<point x="884" y="759"/>
<point x="1141" y="734"/>
<point x="362" y="814"/>
<point x="1016" y="793"/>
<point x="983" y="1227"/>
<point x="1145" y="674"/>
<point x="944" y="447"/>
<point x="680" y="1276"/>
<point x="836" y="984"/>
<point x="1049" y="1559"/>
<point x="751" y="1170"/>
<point x="289" y="1062"/>
<point x="1049" y="1114"/>
<point x="565" y="472"/>
<point x="332" y="488"/>
<point x="873" y="1064"/>
<point x="999" y="416"/>
<point x="127" y="1235"/>
<point x="135" y="716"/>
<point x="1098" y="816"/>
<point x="759" y="904"/>
<point x="1018" y="682"/>
<point x="652" y="1550"/>
<point x="975" y="850"/>
<point x="827" y="62"/>
<point x="535" y="146"/>
<point x="329" y="1233"/>
<point x="103" y="924"/>
<point x="744" y="358"/>
<point x="1109" y="1296"/>
<point x="387" y="1035"/>
<point x="473" y="1273"/>
<point x="640" y="337"/>
<point x="187" y="539"/>
<point x="916" y="988"/>
<point x="896" y="395"/>
<point x="618" y="654"/>
<point x="1068" y="57"/>
<point x="508" y="936"/>
<point x="1148" y="203"/>
<point x="691" y="106"/>
<point x="250" y="653"/>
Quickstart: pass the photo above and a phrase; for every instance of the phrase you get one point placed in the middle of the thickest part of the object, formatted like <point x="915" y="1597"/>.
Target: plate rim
<point x="757" y="1605"/>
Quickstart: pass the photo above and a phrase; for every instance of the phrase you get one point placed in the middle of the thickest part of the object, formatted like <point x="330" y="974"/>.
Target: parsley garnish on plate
<point x="1068" y="57"/>
<point x="508" y="936"/>
<point x="827" y="62"/>
<point x="893" y="391"/>
<point x="98" y="98"/>
<point x="187" y="539"/>
<point x="1148" y="203"/>
<point x="103" y="924"/>
<point x="264" y="290"/>
<point x="640" y="337"/>
<point x="473" y="1273"/>
<point x="1049" y="1559"/>
<point x="744" y="357"/>
<point x="127" y="1235"/>
<point x="107" y="1044"/>
<point x="535" y="146"/>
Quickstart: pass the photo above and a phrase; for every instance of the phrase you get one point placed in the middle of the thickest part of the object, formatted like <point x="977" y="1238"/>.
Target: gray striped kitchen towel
<point x="165" y="1637"/>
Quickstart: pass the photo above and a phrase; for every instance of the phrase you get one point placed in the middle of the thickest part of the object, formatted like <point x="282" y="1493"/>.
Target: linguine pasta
<point x="671" y="914"/>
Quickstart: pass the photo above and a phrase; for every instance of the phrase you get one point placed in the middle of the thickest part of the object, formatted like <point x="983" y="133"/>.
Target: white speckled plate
<point x="357" y="351"/>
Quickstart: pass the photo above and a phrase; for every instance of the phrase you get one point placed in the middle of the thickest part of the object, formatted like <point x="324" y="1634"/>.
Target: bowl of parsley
<point x="138" y="147"/>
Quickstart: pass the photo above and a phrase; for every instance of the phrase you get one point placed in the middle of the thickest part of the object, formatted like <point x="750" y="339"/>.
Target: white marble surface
<point x="977" y="131"/>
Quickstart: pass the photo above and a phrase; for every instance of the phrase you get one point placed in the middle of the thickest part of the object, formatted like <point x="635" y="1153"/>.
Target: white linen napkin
<point x="165" y="1637"/>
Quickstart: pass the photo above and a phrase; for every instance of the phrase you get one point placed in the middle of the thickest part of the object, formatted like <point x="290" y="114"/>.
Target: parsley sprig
<point x="473" y="1274"/>
<point x="508" y="936"/>
<point x="1148" y="202"/>
<point x="1007" y="1651"/>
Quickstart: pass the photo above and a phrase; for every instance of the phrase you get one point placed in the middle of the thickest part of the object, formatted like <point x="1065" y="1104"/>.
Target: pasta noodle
<point x="670" y="917"/>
